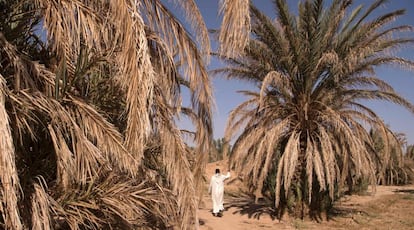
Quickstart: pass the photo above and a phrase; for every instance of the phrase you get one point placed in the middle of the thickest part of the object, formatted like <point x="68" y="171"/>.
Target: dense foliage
<point x="89" y="96"/>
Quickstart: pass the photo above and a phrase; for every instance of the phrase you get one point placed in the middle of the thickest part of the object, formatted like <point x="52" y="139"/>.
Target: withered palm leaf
<point x="128" y="203"/>
<point x="235" y="28"/>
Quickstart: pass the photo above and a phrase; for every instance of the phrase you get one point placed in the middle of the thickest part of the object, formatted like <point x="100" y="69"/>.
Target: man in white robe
<point x="216" y="189"/>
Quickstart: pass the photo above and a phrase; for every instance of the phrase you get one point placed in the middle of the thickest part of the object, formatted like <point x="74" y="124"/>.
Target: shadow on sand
<point x="246" y="206"/>
<point x="410" y="191"/>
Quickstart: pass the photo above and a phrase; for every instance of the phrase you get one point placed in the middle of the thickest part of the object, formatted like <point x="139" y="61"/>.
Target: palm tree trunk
<point x="301" y="207"/>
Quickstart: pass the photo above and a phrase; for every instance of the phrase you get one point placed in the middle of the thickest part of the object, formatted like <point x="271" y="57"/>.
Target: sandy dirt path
<point x="238" y="215"/>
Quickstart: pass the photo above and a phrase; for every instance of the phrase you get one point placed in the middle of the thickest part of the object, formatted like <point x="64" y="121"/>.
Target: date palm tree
<point x="89" y="93"/>
<point x="305" y="126"/>
<point x="409" y="153"/>
<point x="392" y="168"/>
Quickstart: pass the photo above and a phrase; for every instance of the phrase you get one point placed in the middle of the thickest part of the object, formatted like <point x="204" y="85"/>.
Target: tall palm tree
<point x="306" y="123"/>
<point x="89" y="105"/>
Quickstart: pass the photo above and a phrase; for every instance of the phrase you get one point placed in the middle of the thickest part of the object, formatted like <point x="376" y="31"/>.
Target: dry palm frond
<point x="40" y="208"/>
<point x="329" y="161"/>
<point x="272" y="78"/>
<point x="110" y="143"/>
<point x="84" y="157"/>
<point x="137" y="75"/>
<point x="105" y="135"/>
<point x="309" y="158"/>
<point x="27" y="74"/>
<point x="235" y="28"/>
<point x="196" y="21"/>
<point x="291" y="157"/>
<point x="81" y="22"/>
<point x="174" y="153"/>
<point x="195" y="75"/>
<point x="272" y="136"/>
<point x="410" y="152"/>
<point x="79" y="159"/>
<point x="118" y="200"/>
<point x="8" y="176"/>
<point x="176" y="164"/>
<point x="3" y="214"/>
<point x="66" y="165"/>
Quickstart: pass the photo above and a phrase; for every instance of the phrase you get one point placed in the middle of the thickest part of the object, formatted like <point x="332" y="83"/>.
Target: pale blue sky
<point x="398" y="118"/>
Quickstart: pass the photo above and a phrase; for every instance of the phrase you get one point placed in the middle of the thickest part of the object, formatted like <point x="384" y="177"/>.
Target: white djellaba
<point x="216" y="189"/>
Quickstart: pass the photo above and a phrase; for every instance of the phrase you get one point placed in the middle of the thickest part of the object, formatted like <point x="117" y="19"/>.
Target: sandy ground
<point x="390" y="207"/>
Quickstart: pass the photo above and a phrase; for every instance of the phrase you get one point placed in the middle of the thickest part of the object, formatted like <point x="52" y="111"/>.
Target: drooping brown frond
<point x="137" y="75"/>
<point x="196" y="21"/>
<point x="175" y="162"/>
<point x="79" y="160"/>
<point x="129" y="204"/>
<point x="66" y="165"/>
<point x="107" y="138"/>
<point x="9" y="179"/>
<point x="235" y="28"/>
<point x="79" y="23"/>
<point x="40" y="209"/>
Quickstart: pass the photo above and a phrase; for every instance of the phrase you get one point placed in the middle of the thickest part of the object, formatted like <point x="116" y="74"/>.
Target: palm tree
<point x="410" y="152"/>
<point x="391" y="164"/>
<point x="306" y="123"/>
<point x="409" y="158"/>
<point x="220" y="148"/>
<point x="87" y="114"/>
